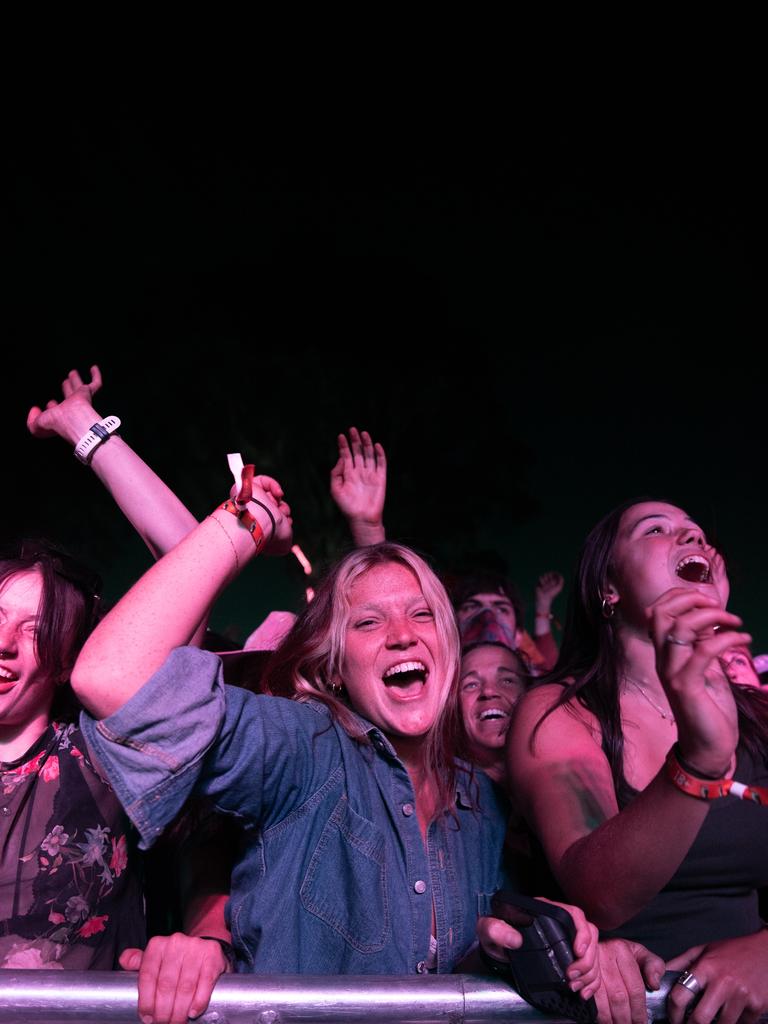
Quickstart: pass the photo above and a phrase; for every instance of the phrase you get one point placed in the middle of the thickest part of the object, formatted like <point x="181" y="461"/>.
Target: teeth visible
<point x="5" y="674"/>
<point x="700" y="562"/>
<point x="697" y="559"/>
<point x="405" y="666"/>
<point x="493" y="713"/>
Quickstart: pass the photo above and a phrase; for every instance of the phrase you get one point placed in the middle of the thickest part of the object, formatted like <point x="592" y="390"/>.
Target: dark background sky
<point x="538" y="318"/>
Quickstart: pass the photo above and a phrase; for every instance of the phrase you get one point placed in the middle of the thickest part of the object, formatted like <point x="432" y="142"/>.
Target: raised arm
<point x="550" y="584"/>
<point x="359" y="486"/>
<point x="151" y="507"/>
<point x="162" y="610"/>
<point x="608" y="861"/>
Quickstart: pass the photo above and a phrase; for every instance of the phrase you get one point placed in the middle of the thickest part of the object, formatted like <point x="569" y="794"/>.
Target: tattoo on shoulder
<point x="592" y="814"/>
<point x="588" y="810"/>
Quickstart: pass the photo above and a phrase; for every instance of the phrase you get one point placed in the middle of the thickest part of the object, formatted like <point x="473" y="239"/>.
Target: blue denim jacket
<point x="334" y="876"/>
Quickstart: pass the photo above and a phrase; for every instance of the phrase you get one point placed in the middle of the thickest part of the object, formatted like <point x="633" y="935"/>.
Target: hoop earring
<point x="608" y="609"/>
<point x="336" y="689"/>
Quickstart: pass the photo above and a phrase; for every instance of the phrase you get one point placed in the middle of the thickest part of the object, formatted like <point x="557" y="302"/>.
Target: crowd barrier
<point x="101" y="997"/>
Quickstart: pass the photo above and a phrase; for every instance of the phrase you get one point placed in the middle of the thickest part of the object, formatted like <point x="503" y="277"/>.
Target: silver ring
<point x="676" y="640"/>
<point x="689" y="980"/>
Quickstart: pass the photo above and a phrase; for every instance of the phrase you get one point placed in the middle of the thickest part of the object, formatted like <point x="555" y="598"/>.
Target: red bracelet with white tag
<point x="239" y="508"/>
<point x="711" y="789"/>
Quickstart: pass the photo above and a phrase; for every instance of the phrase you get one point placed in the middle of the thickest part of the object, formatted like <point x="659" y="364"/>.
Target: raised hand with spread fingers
<point x="359" y="486"/>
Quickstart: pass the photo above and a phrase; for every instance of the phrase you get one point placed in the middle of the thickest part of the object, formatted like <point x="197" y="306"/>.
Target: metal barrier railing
<point x="88" y="997"/>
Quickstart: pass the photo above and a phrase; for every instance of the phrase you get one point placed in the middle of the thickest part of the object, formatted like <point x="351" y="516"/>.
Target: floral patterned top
<point x="68" y="898"/>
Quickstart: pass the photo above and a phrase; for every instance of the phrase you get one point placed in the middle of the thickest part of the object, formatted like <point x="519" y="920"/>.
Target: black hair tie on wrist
<point x="226" y="947"/>
<point x="269" y="513"/>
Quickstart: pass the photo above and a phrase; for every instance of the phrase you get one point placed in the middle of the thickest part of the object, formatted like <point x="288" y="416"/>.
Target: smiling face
<point x="659" y="547"/>
<point x="490" y="684"/>
<point x="739" y="668"/>
<point x="26" y="692"/>
<point x="391" y="669"/>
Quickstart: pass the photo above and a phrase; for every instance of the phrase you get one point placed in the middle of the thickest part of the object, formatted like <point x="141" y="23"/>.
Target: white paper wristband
<point x="98" y="434"/>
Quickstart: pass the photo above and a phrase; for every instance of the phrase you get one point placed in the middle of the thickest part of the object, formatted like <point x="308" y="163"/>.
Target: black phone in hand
<point x="537" y="969"/>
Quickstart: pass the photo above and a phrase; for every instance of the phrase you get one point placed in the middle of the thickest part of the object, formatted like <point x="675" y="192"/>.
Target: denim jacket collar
<point x="382" y="745"/>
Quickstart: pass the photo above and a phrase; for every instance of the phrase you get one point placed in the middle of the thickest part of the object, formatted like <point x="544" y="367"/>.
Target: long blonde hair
<point x="309" y="659"/>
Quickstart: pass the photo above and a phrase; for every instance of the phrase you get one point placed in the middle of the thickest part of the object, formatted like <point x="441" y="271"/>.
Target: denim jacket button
<point x="407" y="810"/>
<point x="421" y="967"/>
<point x="420" y="886"/>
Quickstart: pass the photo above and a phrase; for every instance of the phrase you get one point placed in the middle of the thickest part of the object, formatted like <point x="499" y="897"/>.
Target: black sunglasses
<point x="63" y="565"/>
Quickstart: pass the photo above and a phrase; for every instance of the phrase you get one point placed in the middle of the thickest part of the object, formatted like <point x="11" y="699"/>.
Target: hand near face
<point x="690" y="632"/>
<point x="658" y="547"/>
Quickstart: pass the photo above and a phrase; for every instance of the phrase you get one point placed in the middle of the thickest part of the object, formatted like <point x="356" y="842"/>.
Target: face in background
<point x="498" y="603"/>
<point x="659" y="547"/>
<point x="491" y="682"/>
<point x="26" y="692"/>
<point x="390" y="653"/>
<point x="739" y="668"/>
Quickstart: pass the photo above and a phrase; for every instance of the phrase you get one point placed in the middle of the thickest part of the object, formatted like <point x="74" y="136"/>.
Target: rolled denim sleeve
<point x="184" y="733"/>
<point x="151" y="751"/>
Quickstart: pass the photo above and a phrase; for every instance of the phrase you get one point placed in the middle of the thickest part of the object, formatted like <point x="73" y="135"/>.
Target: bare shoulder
<point x="550" y="728"/>
<point x="558" y="774"/>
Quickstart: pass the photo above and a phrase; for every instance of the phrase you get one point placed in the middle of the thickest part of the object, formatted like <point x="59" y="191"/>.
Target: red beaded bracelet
<point x="710" y="789"/>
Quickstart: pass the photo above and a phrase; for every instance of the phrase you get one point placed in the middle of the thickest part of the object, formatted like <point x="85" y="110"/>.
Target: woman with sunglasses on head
<point x="68" y="896"/>
<point x="201" y="953"/>
<point x="69" y="893"/>
<point x="615" y="760"/>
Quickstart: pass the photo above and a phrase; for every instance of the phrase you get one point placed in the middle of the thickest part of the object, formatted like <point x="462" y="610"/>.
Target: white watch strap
<point x="100" y="431"/>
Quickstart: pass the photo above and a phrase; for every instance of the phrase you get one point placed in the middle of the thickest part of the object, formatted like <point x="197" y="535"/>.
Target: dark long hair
<point x="591" y="660"/>
<point x="68" y="607"/>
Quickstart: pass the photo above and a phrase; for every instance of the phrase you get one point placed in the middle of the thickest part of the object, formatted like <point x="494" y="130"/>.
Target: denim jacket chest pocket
<point x="345" y="884"/>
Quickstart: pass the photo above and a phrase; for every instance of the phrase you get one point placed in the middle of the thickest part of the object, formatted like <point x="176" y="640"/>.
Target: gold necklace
<point x="666" y="715"/>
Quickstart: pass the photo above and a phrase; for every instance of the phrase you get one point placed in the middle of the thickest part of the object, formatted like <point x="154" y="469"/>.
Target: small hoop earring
<point x="608" y="609"/>
<point x="336" y="689"/>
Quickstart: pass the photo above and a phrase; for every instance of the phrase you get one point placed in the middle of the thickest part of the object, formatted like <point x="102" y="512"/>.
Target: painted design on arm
<point x="583" y="795"/>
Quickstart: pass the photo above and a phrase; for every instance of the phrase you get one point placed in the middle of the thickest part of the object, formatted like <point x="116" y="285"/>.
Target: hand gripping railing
<point x="88" y="997"/>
